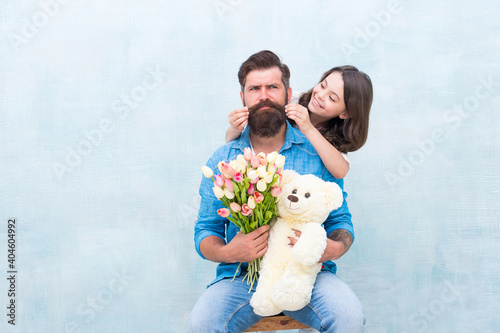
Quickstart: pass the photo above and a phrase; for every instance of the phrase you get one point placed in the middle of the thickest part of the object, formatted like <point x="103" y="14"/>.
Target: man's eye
<point x="307" y="195"/>
<point x="294" y="192"/>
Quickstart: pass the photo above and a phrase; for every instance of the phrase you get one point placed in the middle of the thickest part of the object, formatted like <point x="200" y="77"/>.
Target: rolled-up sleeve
<point x="341" y="217"/>
<point x="208" y="222"/>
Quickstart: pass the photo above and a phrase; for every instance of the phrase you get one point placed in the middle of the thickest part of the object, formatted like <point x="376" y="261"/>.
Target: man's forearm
<point x="338" y="242"/>
<point x="212" y="248"/>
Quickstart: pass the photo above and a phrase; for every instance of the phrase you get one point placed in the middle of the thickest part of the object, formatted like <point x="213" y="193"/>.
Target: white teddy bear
<point x="287" y="274"/>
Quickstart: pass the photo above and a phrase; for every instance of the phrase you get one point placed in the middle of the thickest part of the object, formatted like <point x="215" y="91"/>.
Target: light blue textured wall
<point x="109" y="109"/>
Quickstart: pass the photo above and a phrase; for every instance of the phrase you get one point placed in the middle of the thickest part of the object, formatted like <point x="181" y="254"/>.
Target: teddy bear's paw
<point x="311" y="244"/>
<point x="291" y="294"/>
<point x="264" y="306"/>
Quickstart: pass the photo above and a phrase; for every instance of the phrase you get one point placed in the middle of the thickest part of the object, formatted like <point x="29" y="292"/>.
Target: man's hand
<point x="239" y="118"/>
<point x="294" y="240"/>
<point x="338" y="242"/>
<point x="247" y="247"/>
<point x="242" y="248"/>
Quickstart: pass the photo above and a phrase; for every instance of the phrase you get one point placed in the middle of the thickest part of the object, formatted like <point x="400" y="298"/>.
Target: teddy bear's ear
<point x="287" y="176"/>
<point x="333" y="195"/>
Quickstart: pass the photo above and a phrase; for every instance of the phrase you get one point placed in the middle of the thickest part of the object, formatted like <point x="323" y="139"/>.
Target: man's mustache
<point x="266" y="103"/>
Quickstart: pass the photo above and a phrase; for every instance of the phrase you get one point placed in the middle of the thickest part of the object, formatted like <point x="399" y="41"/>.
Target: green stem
<point x="236" y="273"/>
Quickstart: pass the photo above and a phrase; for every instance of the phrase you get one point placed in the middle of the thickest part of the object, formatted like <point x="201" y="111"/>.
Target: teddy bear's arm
<point x="312" y="243"/>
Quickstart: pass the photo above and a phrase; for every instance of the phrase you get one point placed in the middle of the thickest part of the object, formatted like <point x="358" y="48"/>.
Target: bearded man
<point x="225" y="305"/>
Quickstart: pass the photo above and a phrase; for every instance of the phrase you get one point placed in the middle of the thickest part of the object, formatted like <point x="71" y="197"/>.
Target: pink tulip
<point x="223" y="212"/>
<point x="255" y="162"/>
<point x="238" y="177"/>
<point x="262" y="159"/>
<point x="280" y="179"/>
<point x="226" y="170"/>
<point x="275" y="191"/>
<point x="251" y="189"/>
<point x="258" y="197"/>
<point x="235" y="207"/>
<point x="232" y="172"/>
<point x="247" y="153"/>
<point x="218" y="180"/>
<point x="245" y="210"/>
<point x="255" y="180"/>
<point x="229" y="185"/>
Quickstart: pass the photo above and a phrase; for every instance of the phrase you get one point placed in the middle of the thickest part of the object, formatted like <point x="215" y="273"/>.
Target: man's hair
<point x="263" y="60"/>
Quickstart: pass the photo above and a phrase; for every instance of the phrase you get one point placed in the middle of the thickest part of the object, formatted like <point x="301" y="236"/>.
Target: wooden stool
<point x="276" y="323"/>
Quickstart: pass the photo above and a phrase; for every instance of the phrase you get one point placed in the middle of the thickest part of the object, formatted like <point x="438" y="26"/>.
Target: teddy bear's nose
<point x="293" y="198"/>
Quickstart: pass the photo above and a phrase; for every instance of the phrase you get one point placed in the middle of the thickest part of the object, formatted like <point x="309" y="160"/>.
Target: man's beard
<point x="266" y="123"/>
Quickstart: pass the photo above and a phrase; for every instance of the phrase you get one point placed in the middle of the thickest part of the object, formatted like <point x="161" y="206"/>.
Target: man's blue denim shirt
<point x="300" y="156"/>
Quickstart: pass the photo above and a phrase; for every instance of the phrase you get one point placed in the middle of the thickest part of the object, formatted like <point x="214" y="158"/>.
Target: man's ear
<point x="289" y="95"/>
<point x="242" y="98"/>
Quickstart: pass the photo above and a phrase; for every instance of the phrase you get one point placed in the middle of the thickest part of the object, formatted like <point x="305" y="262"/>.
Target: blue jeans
<point x="225" y="307"/>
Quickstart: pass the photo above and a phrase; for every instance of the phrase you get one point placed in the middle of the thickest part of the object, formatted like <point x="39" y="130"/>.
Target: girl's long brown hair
<point x="349" y="134"/>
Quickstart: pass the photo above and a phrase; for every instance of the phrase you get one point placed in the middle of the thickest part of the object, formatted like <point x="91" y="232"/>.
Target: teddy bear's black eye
<point x="294" y="191"/>
<point x="307" y="195"/>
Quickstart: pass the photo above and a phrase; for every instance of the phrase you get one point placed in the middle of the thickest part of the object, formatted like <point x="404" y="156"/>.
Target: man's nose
<point x="263" y="95"/>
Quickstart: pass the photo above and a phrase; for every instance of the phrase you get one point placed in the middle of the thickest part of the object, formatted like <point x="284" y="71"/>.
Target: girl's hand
<point x="300" y="115"/>
<point x="239" y="118"/>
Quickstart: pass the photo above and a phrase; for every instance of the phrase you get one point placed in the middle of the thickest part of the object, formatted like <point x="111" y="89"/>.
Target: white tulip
<point x="228" y="194"/>
<point x="280" y="161"/>
<point x="251" y="202"/>
<point x="271" y="157"/>
<point x="219" y="193"/>
<point x="207" y="172"/>
<point x="261" y="185"/>
<point x="269" y="177"/>
<point x="252" y="174"/>
<point x="261" y="171"/>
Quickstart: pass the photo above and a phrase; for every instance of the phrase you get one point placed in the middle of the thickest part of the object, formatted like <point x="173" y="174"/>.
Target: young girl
<point x="333" y="116"/>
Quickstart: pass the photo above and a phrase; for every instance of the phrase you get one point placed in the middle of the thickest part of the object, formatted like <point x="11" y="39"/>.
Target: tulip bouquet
<point x="248" y="187"/>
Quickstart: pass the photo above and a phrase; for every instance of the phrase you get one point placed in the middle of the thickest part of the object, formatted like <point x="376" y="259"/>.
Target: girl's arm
<point x="331" y="157"/>
<point x="238" y="120"/>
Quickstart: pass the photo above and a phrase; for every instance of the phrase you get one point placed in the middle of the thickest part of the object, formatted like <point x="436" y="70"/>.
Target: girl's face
<point x="327" y="100"/>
